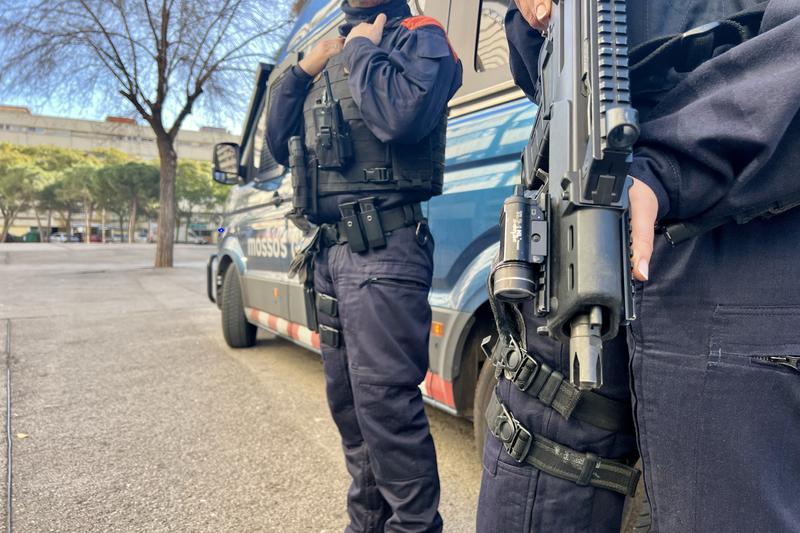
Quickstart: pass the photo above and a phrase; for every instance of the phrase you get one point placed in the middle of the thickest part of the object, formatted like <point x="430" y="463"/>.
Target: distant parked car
<point x="63" y="237"/>
<point x="197" y="239"/>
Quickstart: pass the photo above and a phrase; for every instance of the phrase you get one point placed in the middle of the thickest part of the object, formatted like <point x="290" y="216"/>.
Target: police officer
<point x="714" y="352"/>
<point x="362" y="120"/>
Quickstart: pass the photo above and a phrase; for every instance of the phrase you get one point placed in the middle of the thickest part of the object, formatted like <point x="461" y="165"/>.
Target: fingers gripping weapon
<point x="565" y="230"/>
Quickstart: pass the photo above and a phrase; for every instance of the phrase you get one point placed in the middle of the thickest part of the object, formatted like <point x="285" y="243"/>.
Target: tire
<point x="484" y="389"/>
<point x="238" y="332"/>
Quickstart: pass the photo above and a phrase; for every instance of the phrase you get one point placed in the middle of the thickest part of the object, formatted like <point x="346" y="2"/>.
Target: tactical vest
<point x="347" y="158"/>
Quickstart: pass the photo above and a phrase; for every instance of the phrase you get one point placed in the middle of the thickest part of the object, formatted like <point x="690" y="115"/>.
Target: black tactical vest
<point x="353" y="160"/>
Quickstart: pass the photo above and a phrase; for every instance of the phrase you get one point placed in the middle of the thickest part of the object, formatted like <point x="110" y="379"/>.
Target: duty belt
<point x="364" y="227"/>
<point x="537" y="379"/>
<point x="585" y="469"/>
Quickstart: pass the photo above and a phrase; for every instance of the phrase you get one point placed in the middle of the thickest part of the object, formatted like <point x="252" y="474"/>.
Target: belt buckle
<point x="422" y="236"/>
<point x="510" y="445"/>
<point x="688" y="40"/>
<point x="525" y="362"/>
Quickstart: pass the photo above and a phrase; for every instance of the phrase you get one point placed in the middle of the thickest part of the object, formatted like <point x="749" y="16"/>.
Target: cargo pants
<point x="372" y="377"/>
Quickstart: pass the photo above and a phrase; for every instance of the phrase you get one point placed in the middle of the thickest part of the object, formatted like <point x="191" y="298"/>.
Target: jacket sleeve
<point x="725" y="139"/>
<point x="403" y="93"/>
<point x="285" y="118"/>
<point x="524" y="43"/>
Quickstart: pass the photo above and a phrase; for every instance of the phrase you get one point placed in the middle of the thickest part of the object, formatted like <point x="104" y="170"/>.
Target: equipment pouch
<point x="371" y="222"/>
<point x="352" y="227"/>
<point x="333" y="145"/>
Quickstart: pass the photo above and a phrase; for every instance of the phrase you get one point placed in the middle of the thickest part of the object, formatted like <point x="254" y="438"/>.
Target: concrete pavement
<point x="131" y="414"/>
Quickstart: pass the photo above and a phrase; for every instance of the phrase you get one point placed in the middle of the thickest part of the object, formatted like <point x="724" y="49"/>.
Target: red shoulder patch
<point x="418" y="22"/>
<point x="421" y="21"/>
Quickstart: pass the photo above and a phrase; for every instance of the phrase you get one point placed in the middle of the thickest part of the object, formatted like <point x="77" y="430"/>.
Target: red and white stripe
<point x="280" y="326"/>
<point x="433" y="386"/>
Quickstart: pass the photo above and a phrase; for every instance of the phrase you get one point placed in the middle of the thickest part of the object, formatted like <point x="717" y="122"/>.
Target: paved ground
<point x="131" y="414"/>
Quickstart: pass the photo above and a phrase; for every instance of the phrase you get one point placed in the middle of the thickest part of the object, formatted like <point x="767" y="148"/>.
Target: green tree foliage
<point x="132" y="187"/>
<point x="197" y="192"/>
<point x="18" y="177"/>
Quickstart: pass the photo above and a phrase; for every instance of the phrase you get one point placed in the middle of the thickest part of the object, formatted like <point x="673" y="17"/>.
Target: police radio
<point x="333" y="145"/>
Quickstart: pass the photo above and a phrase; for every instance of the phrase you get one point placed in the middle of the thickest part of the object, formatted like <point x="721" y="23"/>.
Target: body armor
<point x="343" y="157"/>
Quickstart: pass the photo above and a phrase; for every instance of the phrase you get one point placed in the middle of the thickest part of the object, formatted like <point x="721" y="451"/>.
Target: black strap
<point x="686" y="51"/>
<point x="330" y="336"/>
<point x="556" y="459"/>
<point x="550" y="387"/>
<point x="390" y="220"/>
<point x="327" y="305"/>
<point x="678" y="232"/>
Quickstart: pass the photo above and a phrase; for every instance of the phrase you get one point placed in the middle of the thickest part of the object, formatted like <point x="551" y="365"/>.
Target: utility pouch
<point x="371" y="223"/>
<point x="352" y="227"/>
<point x="333" y="145"/>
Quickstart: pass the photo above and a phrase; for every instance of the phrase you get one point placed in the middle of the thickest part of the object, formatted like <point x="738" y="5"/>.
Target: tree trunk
<point x="89" y="213"/>
<point x="132" y="219"/>
<point x="49" y="225"/>
<point x="39" y="223"/>
<point x="188" y="222"/>
<point x="167" y="205"/>
<point x="177" y="229"/>
<point x="103" y="227"/>
<point x="69" y="222"/>
<point x="7" y="220"/>
<point x="121" y="227"/>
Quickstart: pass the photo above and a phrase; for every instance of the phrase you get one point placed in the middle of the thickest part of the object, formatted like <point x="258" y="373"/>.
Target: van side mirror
<point x="226" y="163"/>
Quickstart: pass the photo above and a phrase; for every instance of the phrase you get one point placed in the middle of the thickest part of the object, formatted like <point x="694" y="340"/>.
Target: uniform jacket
<point x="723" y="140"/>
<point x="401" y="86"/>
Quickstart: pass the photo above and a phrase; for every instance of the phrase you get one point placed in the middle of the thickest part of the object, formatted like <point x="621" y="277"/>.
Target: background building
<point x="19" y="126"/>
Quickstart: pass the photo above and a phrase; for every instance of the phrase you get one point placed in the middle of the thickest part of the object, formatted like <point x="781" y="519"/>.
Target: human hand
<point x="373" y="32"/>
<point x="536" y="12"/>
<point x="313" y="63"/>
<point x="644" y="211"/>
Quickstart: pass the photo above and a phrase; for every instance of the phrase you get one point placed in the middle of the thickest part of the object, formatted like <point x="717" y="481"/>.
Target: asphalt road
<point x="129" y="412"/>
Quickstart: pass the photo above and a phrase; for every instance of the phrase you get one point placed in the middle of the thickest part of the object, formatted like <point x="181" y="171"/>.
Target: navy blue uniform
<point x="372" y="377"/>
<point x="715" y="398"/>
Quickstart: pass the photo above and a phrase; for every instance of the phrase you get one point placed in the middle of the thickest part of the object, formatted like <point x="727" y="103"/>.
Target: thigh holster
<point x="585" y="469"/>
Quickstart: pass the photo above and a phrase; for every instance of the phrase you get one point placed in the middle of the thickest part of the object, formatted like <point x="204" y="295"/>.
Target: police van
<point x="489" y="124"/>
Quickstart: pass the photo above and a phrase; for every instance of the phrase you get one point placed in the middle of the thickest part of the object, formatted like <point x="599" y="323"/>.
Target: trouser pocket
<point x="748" y="468"/>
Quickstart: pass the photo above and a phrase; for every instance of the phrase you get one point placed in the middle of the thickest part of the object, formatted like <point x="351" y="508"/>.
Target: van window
<point x="492" y="48"/>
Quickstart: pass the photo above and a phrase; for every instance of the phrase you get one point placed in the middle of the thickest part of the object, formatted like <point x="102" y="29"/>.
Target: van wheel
<point x="238" y="332"/>
<point x="483" y="393"/>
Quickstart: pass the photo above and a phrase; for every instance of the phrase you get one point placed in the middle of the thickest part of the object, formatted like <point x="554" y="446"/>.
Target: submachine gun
<point x="566" y="239"/>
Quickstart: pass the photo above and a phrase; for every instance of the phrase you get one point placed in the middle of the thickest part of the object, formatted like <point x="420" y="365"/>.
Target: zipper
<point x="394" y="282"/>
<point x="788" y="361"/>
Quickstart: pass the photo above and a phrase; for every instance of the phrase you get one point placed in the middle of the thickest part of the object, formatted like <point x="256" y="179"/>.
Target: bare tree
<point x="159" y="55"/>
